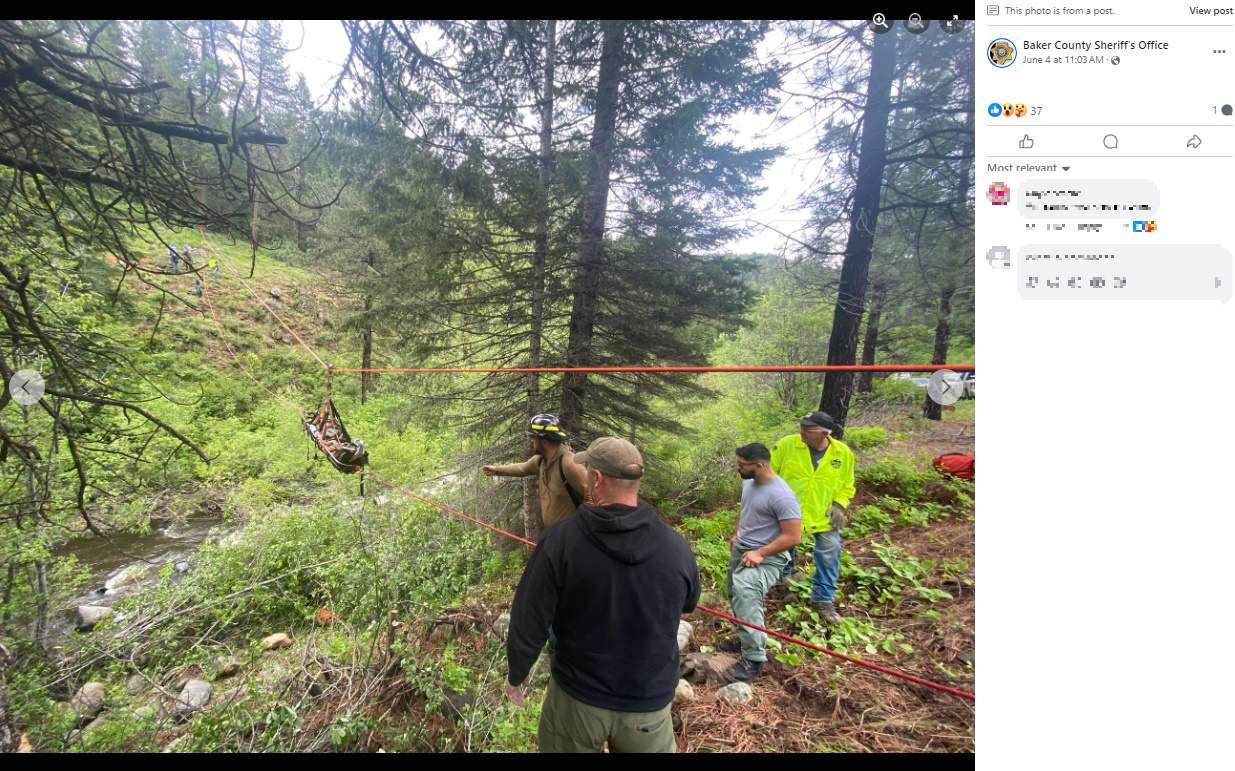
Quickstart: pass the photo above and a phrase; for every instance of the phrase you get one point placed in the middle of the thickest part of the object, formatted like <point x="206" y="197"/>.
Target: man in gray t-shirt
<point x="769" y="528"/>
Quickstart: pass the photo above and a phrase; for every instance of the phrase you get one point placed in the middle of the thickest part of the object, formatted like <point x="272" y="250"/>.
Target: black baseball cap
<point x="821" y="419"/>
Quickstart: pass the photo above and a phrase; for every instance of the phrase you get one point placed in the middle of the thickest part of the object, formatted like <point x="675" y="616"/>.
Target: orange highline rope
<point x="752" y="368"/>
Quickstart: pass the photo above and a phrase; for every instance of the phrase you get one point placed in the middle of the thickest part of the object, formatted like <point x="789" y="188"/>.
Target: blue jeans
<point x="827" y="566"/>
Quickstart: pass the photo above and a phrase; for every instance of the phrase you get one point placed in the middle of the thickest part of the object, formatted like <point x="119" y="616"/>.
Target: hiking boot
<point x="744" y="671"/>
<point x="730" y="646"/>
<point x="827" y="612"/>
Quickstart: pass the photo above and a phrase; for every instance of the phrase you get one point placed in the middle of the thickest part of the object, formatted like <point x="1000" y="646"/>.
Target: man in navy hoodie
<point x="613" y="581"/>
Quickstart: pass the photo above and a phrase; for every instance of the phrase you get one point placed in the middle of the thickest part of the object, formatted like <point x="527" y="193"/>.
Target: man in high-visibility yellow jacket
<point x="819" y="470"/>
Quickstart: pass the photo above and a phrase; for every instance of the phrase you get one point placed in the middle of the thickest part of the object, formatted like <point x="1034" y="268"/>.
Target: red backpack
<point x="954" y="464"/>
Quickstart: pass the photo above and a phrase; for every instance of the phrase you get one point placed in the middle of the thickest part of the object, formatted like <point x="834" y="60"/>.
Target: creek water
<point x="126" y="564"/>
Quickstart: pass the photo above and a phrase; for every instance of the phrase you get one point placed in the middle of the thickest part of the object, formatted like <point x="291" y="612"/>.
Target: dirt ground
<point x="830" y="704"/>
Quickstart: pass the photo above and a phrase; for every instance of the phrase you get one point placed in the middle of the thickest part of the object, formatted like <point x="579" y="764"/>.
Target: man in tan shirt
<point x="563" y="483"/>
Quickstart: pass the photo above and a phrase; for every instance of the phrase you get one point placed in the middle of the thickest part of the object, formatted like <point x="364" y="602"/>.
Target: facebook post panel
<point x="1104" y="142"/>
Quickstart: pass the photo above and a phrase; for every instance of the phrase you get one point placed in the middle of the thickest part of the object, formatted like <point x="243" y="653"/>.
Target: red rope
<point x="760" y="368"/>
<point x="445" y="508"/>
<point x="859" y="662"/>
<point x="243" y="369"/>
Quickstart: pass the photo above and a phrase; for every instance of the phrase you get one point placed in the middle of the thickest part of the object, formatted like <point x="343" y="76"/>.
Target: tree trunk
<point x="366" y="352"/>
<point x="9" y="738"/>
<point x="533" y="522"/>
<point x="943" y="332"/>
<point x="843" y="345"/>
<point x="592" y="231"/>
<point x="866" y="380"/>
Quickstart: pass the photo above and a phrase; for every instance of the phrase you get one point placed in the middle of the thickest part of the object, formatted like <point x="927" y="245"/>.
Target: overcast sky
<point x="322" y="48"/>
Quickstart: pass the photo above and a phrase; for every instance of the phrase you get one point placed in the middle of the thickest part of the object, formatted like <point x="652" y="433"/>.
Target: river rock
<point x="684" y="693"/>
<point x="502" y="625"/>
<point x="88" y="702"/>
<point x="135" y="685"/>
<point x="89" y="615"/>
<point x="226" y="667"/>
<point x="276" y="641"/>
<point x="193" y="698"/>
<point x="80" y="734"/>
<point x="736" y="693"/>
<point x="706" y="668"/>
<point x="442" y="632"/>
<point x="182" y="568"/>
<point x="685" y="631"/>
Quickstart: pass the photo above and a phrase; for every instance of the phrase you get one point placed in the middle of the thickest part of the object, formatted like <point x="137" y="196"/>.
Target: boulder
<point x="276" y="641"/>
<point x="225" y="667"/>
<point x="88" y="702"/>
<point x="502" y="625"/>
<point x="442" y="632"/>
<point x="276" y="293"/>
<point x="193" y="698"/>
<point x="706" y="668"/>
<point x="685" y="631"/>
<point x="89" y="615"/>
<point x="736" y="693"/>
<point x="80" y="734"/>
<point x="684" y="694"/>
<point x="135" y="685"/>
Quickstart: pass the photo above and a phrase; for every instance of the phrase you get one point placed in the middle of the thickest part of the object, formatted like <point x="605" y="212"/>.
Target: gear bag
<point x="954" y="464"/>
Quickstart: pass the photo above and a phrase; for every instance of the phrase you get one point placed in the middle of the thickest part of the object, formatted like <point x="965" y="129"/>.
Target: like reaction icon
<point x="1026" y="143"/>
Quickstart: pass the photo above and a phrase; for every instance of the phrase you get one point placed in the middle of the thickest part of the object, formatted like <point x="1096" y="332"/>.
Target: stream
<point x="131" y="563"/>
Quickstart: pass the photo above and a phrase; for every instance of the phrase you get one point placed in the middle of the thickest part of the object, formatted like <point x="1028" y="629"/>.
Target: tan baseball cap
<point x="613" y="457"/>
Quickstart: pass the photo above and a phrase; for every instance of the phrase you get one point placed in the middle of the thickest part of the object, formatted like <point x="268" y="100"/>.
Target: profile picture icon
<point x="1001" y="52"/>
<point x="999" y="194"/>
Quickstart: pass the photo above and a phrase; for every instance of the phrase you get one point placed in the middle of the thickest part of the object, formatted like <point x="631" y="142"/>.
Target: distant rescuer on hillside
<point x="613" y="581"/>
<point x="820" y="471"/>
<point x="563" y="483"/>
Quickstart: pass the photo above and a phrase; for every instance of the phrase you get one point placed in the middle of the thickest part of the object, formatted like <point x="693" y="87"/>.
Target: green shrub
<point x="866" y="437"/>
<point x="866" y="520"/>
<point x="896" y="476"/>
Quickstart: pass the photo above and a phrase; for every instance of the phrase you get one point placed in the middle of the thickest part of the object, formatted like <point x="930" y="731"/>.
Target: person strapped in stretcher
<point x="329" y="434"/>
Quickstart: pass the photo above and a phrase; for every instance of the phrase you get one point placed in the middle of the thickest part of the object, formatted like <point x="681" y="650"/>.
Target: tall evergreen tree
<point x="901" y="106"/>
<point x="637" y="183"/>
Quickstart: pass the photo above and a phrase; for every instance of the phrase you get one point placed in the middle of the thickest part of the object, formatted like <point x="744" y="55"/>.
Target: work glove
<point x="836" y="517"/>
